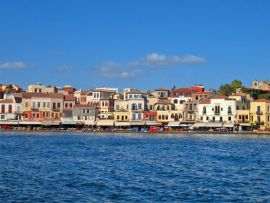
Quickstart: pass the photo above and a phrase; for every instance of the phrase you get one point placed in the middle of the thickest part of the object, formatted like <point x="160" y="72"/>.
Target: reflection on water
<point x="130" y="167"/>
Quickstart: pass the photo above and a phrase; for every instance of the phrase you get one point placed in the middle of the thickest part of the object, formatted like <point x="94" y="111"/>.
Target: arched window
<point x="10" y="108"/>
<point x="204" y="110"/>
<point x="229" y="109"/>
<point x="175" y="101"/>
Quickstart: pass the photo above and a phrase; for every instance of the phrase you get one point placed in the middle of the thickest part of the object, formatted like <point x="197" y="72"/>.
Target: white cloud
<point x="64" y="68"/>
<point x="113" y="70"/>
<point x="155" y="59"/>
<point x="12" y="65"/>
<point x="135" y="68"/>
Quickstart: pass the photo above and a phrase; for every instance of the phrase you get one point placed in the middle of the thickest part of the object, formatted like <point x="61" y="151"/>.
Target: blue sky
<point x="137" y="43"/>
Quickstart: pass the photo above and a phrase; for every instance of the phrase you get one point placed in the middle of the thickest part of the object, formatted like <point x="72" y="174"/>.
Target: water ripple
<point x="136" y="168"/>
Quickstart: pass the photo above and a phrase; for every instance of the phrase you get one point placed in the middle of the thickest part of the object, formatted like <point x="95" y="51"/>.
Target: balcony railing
<point x="259" y="113"/>
<point x="217" y="113"/>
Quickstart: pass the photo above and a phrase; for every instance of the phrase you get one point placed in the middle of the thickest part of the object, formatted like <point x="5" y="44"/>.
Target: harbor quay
<point x="41" y="107"/>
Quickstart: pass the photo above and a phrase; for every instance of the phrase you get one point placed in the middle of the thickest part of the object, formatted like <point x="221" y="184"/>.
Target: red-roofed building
<point x="187" y="92"/>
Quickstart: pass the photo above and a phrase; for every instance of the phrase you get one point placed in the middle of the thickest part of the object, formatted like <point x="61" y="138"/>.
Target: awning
<point x="153" y="123"/>
<point x="122" y="124"/>
<point x="185" y="125"/>
<point x="199" y="125"/>
<point x="228" y="125"/>
<point x="214" y="125"/>
<point x="68" y="122"/>
<point x="207" y="125"/>
<point x="174" y="124"/>
<point x="50" y="122"/>
<point x="105" y="123"/>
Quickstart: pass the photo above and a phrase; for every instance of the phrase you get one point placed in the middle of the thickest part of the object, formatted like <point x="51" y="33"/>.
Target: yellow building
<point x="121" y="118"/>
<point x="260" y="113"/>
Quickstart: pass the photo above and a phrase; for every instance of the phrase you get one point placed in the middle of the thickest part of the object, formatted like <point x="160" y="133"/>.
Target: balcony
<point x="229" y="113"/>
<point x="217" y="113"/>
<point x="259" y="113"/>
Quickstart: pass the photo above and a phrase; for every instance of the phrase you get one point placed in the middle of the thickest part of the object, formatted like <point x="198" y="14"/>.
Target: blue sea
<point x="51" y="167"/>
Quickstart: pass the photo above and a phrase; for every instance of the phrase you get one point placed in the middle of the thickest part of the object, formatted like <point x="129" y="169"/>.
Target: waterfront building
<point x="166" y="112"/>
<point x="190" y="111"/>
<point x="121" y="118"/>
<point x="10" y="108"/>
<point x="102" y="99"/>
<point x="84" y="114"/>
<point x="219" y="109"/>
<point x="43" y="107"/>
<point x="136" y="104"/>
<point x="260" y="114"/>
<point x="105" y="119"/>
<point x="67" y="116"/>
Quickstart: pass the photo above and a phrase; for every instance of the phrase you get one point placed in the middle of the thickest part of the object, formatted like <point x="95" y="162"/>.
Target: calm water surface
<point x="135" y="168"/>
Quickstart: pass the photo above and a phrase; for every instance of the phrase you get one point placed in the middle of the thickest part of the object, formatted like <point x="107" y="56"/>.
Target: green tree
<point x="225" y="89"/>
<point x="236" y="84"/>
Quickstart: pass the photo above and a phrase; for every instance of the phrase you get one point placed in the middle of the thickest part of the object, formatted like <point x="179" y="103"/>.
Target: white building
<point x="10" y="108"/>
<point x="218" y="109"/>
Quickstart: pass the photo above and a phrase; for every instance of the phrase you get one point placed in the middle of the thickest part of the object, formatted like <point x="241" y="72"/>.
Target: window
<point x="66" y="105"/>
<point x="175" y="101"/>
<point x="220" y="119"/>
<point x="139" y="116"/>
<point x="44" y="104"/>
<point x="229" y="118"/>
<point x="58" y="105"/>
<point x="118" y="117"/>
<point x="139" y="106"/>
<point x="159" y="117"/>
<point x="9" y="108"/>
<point x="133" y="116"/>
<point x="207" y="118"/>
<point x="26" y="104"/>
<point x="204" y="110"/>
<point x="230" y="109"/>
<point x="117" y="107"/>
<point x="38" y="104"/>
